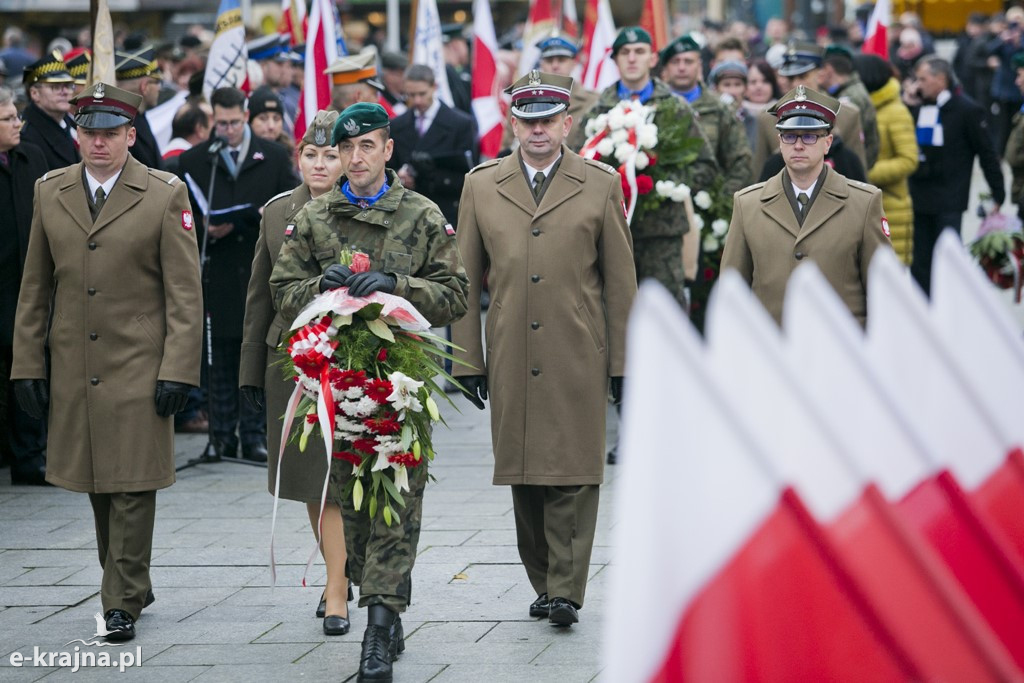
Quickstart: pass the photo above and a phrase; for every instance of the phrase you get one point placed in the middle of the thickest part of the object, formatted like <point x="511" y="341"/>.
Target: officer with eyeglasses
<point x="48" y="124"/>
<point x="807" y="211"/>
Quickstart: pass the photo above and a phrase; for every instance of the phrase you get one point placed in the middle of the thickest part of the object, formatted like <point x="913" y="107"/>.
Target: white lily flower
<point x="381" y="463"/>
<point x="606" y="147"/>
<point x="402" y="478"/>
<point x="404" y="394"/>
<point x="702" y="199"/>
<point x="719" y="226"/>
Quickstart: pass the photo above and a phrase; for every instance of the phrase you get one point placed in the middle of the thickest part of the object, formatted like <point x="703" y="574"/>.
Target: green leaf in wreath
<point x="370" y="311"/>
<point x="406" y="437"/>
<point x="392" y="490"/>
<point x="381" y="329"/>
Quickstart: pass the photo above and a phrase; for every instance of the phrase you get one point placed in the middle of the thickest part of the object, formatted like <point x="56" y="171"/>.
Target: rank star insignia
<point x="320" y="137"/>
<point x="801" y="93"/>
<point x="99" y="92"/>
<point x="351" y="127"/>
<point x="535" y="78"/>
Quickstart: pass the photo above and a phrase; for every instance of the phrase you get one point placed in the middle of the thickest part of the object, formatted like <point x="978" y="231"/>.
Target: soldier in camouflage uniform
<point x="413" y="255"/>
<point x="657" y="239"/>
<point x="681" y="67"/>
<point x="840" y="80"/>
<point x="1014" y="153"/>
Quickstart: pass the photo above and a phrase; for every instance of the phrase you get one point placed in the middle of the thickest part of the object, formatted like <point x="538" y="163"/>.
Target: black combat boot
<point x="383" y="640"/>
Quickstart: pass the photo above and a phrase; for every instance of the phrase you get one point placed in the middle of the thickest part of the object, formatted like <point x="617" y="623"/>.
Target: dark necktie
<point x="421" y="124"/>
<point x="100" y="198"/>
<point x="538" y="182"/>
<point x="801" y="200"/>
<point x="234" y="156"/>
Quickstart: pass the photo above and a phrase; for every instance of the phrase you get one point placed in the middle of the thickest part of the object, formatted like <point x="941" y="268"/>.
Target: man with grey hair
<point x="21" y="164"/>
<point x="435" y="145"/>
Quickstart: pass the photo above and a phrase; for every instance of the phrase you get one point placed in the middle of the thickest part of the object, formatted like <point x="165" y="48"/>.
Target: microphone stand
<point x="210" y="453"/>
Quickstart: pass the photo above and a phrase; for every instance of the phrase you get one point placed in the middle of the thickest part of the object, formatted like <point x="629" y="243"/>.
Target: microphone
<point x="216" y="145"/>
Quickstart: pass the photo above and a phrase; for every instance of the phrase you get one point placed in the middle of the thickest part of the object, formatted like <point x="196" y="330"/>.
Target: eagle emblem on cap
<point x="351" y="127"/>
<point x="631" y="36"/>
<point x="319" y="137"/>
<point x="801" y="93"/>
<point x="99" y="92"/>
<point x="535" y="77"/>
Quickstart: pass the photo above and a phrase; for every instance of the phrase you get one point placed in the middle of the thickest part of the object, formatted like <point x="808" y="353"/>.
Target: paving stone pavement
<point x="216" y="617"/>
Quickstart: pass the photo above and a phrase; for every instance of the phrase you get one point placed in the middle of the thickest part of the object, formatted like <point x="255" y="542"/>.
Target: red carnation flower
<point x="348" y="456"/>
<point x="382" y="355"/>
<point x="346" y="379"/>
<point x="709" y="274"/>
<point x="644" y="184"/>
<point x="379" y="390"/>
<point x="364" y="445"/>
<point x="312" y="418"/>
<point x="407" y="459"/>
<point x="384" y="424"/>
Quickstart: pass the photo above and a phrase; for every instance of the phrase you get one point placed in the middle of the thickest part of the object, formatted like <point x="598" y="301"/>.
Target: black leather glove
<point x="170" y="397"/>
<point x="334" y="277"/>
<point x="33" y="396"/>
<point x="617" y="390"/>
<point x="255" y="396"/>
<point x="476" y="389"/>
<point x="369" y="282"/>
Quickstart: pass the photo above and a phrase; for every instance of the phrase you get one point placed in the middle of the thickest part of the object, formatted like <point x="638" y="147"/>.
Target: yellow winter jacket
<point x="897" y="160"/>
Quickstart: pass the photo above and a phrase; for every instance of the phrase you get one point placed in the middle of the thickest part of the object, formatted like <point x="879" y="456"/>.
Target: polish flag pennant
<point x="735" y="577"/>
<point x="541" y="21"/>
<point x="654" y="18"/>
<point x="324" y="44"/>
<point x="486" y="105"/>
<point x="876" y="33"/>
<point x="599" y="70"/>
<point x="293" y="21"/>
<point x="980" y="333"/>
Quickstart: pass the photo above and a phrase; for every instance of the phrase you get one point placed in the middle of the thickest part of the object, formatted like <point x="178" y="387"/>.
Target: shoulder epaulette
<point x="486" y="164"/>
<point x="865" y="187"/>
<point x="164" y="176"/>
<point x="601" y="165"/>
<point x="280" y="195"/>
<point x="55" y="173"/>
<point x="749" y="189"/>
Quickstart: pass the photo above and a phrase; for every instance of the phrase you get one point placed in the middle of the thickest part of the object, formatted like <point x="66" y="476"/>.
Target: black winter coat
<point x="46" y="134"/>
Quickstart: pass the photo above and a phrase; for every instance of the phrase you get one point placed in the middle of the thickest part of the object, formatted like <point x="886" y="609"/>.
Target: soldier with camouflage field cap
<point x="412" y="254"/>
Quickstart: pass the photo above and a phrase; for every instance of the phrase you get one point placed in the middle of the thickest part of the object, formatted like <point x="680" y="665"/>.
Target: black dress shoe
<point x="120" y="625"/>
<point x="255" y="453"/>
<point x="335" y="625"/>
<point x="150" y="598"/>
<point x="33" y="476"/>
<point x="321" y="609"/>
<point x="383" y="640"/>
<point x="613" y="455"/>
<point x="541" y="606"/>
<point x="563" y="612"/>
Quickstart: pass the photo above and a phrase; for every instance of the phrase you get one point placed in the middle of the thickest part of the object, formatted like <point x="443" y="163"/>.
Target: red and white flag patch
<point x="885" y="226"/>
<point x="449" y="229"/>
<point x="186" y="220"/>
<point x="289" y="229"/>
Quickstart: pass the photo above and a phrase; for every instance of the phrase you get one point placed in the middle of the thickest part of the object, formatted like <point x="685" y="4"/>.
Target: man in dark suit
<point x="139" y="72"/>
<point x="47" y="123"/>
<point x="435" y="145"/>
<point x="21" y="164"/>
<point x="246" y="172"/>
<point x="951" y="130"/>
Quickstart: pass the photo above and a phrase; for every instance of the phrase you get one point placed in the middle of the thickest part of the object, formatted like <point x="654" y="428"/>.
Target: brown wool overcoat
<point x="842" y="229"/>
<point x="127" y="311"/>
<point x="561" y="281"/>
<point x="302" y="472"/>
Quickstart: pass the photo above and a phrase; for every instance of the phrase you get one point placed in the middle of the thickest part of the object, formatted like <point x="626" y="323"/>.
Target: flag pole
<point x="414" y="9"/>
<point x="94" y="10"/>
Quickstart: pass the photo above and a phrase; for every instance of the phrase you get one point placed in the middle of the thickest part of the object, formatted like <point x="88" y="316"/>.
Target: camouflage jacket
<point x="669" y="219"/>
<point x="727" y="136"/>
<point x="854" y="92"/>
<point x="1014" y="156"/>
<point x="404" y="234"/>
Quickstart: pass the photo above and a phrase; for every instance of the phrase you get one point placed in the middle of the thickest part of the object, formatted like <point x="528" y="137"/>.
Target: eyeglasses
<point x="222" y="125"/>
<point x="806" y="138"/>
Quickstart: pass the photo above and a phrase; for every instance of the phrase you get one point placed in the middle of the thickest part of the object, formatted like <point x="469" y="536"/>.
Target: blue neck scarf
<point x="643" y="95"/>
<point x="364" y="202"/>
<point x="690" y="95"/>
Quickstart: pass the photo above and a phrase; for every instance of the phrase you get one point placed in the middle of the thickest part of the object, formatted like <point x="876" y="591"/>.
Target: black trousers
<point x="24" y="436"/>
<point x="227" y="411"/>
<point x="927" y="228"/>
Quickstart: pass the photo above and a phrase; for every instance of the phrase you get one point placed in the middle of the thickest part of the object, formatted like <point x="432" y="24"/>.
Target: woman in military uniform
<point x="262" y="382"/>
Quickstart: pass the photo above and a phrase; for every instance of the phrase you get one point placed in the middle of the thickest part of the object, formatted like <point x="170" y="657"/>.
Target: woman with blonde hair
<point x="302" y="472"/>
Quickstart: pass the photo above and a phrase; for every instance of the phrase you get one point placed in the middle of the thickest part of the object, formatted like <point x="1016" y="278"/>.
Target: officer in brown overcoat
<point x="113" y="245"/>
<point x="806" y="211"/>
<point x="551" y="228"/>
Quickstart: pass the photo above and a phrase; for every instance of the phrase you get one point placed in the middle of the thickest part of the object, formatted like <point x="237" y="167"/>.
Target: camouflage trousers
<point x="661" y="258"/>
<point x="380" y="557"/>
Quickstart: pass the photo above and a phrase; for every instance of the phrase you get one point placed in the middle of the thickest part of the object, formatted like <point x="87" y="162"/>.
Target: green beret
<point x="838" y="52"/>
<point x="359" y="119"/>
<point x="684" y="43"/>
<point x="1018" y="60"/>
<point x="630" y="34"/>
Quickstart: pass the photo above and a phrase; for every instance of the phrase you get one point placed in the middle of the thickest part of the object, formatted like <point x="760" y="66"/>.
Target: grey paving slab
<point x="208" y="654"/>
<point x="463" y="673"/>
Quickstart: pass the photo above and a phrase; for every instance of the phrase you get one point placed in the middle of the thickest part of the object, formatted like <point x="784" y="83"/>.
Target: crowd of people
<point x="224" y="226"/>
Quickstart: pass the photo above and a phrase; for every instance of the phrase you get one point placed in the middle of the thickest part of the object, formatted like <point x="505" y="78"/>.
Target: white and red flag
<point x="599" y="70"/>
<point x="542" y="20"/>
<point x="735" y="578"/>
<point x="324" y="44"/>
<point x="982" y="335"/>
<point x="226" y="65"/>
<point x="486" y="103"/>
<point x="427" y="47"/>
<point x="293" y="21"/>
<point x="654" y="18"/>
<point x="876" y="33"/>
